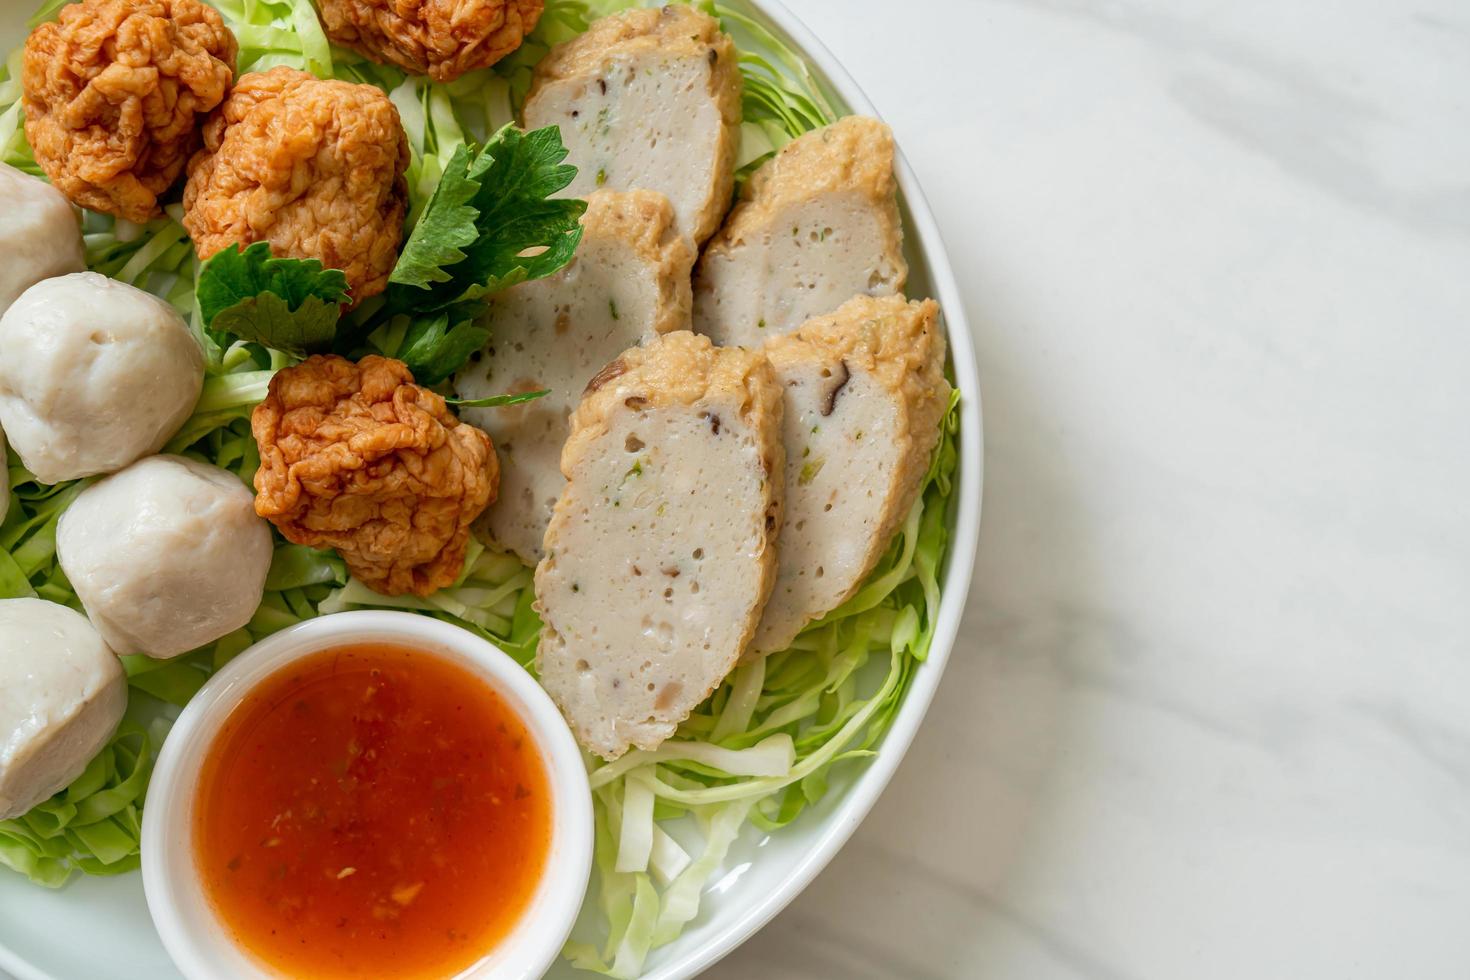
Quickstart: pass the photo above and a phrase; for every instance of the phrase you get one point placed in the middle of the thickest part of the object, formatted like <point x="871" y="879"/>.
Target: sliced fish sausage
<point x="647" y="99"/>
<point x="661" y="550"/>
<point x="629" y="278"/>
<point x="865" y="395"/>
<point x="817" y="225"/>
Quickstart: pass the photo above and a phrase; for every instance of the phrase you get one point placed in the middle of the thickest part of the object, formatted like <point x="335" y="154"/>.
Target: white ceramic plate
<point x="99" y="927"/>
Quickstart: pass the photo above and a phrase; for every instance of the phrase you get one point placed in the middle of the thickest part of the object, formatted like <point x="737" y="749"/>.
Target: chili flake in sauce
<point x="372" y="811"/>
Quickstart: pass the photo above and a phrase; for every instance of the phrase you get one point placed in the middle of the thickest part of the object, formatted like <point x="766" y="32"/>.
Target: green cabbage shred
<point x="757" y="754"/>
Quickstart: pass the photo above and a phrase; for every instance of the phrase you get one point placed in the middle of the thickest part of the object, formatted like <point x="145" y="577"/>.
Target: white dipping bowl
<point x="202" y="946"/>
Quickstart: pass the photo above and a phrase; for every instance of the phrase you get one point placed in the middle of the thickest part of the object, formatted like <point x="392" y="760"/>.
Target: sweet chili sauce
<point x="372" y="811"/>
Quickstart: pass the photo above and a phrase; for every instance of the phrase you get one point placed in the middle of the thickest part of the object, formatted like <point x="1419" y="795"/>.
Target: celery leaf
<point x="289" y="305"/>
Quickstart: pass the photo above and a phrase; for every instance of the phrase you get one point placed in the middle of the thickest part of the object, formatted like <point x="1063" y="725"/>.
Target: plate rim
<point x="868" y="786"/>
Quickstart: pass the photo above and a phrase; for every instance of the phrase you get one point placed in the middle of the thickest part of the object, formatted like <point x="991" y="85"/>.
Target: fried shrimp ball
<point x="113" y="94"/>
<point x="358" y="458"/>
<point x="314" y="167"/>
<point x="439" y="38"/>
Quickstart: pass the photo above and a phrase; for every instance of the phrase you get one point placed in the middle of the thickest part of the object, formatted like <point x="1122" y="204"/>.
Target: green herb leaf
<point x="268" y="320"/>
<point x="492" y="207"/>
<point x="491" y="223"/>
<point x="446" y="228"/>
<point x="434" y="348"/>
<point x="498" y="401"/>
<point x="519" y="173"/>
<point x="289" y="305"/>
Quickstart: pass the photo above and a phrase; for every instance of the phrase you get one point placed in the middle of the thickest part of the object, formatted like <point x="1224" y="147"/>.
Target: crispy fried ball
<point x="314" y="167"/>
<point x="359" y="458"/>
<point x="439" y="38"/>
<point x="113" y="92"/>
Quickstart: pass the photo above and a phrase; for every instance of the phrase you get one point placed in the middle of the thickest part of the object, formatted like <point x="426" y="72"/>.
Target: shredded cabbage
<point x="757" y="753"/>
<point x="94" y="824"/>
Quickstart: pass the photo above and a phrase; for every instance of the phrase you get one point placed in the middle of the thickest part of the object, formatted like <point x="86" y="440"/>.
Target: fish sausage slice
<point x="817" y="225"/>
<point x="649" y="98"/>
<point x="661" y="550"/>
<point x="629" y="278"/>
<point x="865" y="395"/>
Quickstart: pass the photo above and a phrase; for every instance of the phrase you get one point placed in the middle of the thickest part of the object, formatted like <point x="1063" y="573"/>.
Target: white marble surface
<point x="1211" y="714"/>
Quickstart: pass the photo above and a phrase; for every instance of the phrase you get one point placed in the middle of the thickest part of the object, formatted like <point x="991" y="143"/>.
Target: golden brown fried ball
<point x="439" y="38"/>
<point x="359" y="458"/>
<point x="314" y="167"/>
<point x="113" y="94"/>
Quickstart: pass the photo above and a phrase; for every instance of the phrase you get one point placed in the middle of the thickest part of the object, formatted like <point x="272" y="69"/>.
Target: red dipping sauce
<point x="372" y="811"/>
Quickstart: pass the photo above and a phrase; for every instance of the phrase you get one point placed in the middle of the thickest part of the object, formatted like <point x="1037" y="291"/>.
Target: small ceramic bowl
<point x="202" y="947"/>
